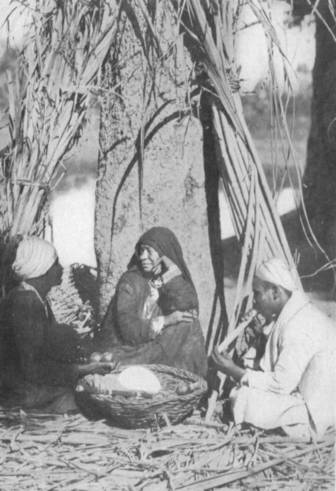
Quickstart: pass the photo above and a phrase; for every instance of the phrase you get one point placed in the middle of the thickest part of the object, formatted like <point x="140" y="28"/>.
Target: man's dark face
<point x="264" y="301"/>
<point x="55" y="274"/>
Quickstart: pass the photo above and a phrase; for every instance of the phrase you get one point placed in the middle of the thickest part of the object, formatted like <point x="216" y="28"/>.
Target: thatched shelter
<point x="172" y="130"/>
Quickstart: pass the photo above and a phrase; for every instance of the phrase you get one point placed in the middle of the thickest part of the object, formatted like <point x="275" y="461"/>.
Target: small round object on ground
<point x="107" y="356"/>
<point x="95" y="357"/>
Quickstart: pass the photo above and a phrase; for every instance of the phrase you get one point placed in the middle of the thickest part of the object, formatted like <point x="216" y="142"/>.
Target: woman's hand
<point x="178" y="316"/>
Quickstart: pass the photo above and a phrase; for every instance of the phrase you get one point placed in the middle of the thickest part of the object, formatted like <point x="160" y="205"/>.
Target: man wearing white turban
<point x="34" y="257"/>
<point x="43" y="359"/>
<point x="295" y="386"/>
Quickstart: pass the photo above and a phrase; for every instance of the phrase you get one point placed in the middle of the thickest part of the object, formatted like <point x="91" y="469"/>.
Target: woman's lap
<point x="180" y="346"/>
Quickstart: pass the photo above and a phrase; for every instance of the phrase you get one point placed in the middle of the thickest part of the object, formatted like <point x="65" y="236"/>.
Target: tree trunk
<point x="173" y="177"/>
<point x="320" y="175"/>
<point x="212" y="177"/>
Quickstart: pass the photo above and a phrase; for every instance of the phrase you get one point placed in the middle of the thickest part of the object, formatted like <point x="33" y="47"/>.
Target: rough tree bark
<point x="173" y="176"/>
<point x="320" y="174"/>
<point x="212" y="178"/>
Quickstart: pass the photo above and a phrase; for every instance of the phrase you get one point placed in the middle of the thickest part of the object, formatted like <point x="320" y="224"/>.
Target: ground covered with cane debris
<point x="48" y="452"/>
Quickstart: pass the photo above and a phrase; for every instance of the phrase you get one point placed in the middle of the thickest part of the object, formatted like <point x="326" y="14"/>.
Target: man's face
<point x="264" y="301"/>
<point x="55" y="274"/>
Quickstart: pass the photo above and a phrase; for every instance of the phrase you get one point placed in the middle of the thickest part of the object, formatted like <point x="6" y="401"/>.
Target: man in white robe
<point x="295" y="386"/>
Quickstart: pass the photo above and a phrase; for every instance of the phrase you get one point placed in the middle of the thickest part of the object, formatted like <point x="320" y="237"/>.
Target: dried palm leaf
<point x="50" y="91"/>
<point x="255" y="218"/>
<point x="243" y="176"/>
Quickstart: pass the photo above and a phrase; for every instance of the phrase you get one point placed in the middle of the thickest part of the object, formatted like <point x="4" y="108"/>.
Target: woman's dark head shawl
<point x="165" y="242"/>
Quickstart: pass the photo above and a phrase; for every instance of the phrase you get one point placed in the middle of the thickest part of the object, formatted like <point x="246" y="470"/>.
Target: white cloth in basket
<point x="139" y="378"/>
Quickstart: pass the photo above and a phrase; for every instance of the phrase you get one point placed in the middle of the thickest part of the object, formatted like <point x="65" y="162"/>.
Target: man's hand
<point x="178" y="316"/>
<point x="224" y="363"/>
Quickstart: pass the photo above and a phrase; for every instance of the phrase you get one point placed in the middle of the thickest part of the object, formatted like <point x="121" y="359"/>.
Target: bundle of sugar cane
<point x="49" y="95"/>
<point x="256" y="221"/>
<point x="67" y="305"/>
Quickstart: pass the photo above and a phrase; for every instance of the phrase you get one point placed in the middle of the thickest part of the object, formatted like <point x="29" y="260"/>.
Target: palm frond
<point x="49" y="95"/>
<point x="257" y="224"/>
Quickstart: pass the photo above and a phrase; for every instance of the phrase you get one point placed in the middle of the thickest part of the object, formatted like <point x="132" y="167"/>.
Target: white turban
<point x="34" y="257"/>
<point x="277" y="272"/>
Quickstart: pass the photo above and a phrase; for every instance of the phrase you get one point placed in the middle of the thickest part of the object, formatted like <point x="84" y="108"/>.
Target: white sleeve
<point x="295" y="353"/>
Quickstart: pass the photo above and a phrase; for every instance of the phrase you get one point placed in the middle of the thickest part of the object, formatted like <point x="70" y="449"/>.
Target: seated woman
<point x="153" y="317"/>
<point x="39" y="357"/>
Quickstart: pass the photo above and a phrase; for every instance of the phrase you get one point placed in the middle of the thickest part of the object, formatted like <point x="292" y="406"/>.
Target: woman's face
<point x="148" y="257"/>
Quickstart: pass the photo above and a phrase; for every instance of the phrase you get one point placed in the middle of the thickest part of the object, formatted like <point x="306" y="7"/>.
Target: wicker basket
<point x="139" y="410"/>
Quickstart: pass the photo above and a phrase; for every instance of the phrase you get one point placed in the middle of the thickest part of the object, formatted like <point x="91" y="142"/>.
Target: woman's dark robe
<point x="37" y="369"/>
<point x="180" y="345"/>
